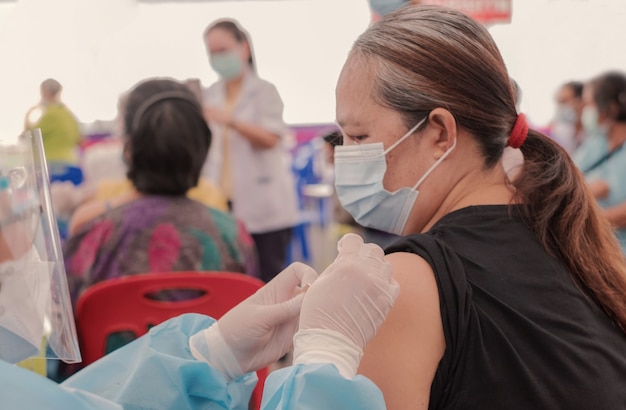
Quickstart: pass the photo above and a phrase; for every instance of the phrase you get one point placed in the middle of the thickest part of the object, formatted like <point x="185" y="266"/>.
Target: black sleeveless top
<point x="519" y="333"/>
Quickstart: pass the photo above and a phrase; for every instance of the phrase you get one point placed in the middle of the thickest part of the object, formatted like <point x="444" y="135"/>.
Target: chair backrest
<point x="61" y="172"/>
<point x="124" y="304"/>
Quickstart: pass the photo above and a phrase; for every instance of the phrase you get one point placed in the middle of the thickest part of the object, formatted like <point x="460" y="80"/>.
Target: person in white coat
<point x="249" y="159"/>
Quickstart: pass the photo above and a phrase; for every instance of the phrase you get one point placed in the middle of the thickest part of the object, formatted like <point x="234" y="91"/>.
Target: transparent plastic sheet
<point x="35" y="306"/>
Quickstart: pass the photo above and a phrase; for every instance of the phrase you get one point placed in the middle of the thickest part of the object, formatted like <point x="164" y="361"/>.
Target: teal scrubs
<point x="612" y="171"/>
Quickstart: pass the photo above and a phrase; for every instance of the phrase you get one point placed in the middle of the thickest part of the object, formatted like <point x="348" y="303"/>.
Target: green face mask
<point x="227" y="64"/>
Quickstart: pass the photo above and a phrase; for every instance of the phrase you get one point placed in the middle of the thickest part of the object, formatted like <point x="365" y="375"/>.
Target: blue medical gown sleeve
<point x="22" y="389"/>
<point x="157" y="371"/>
<point x="319" y="386"/>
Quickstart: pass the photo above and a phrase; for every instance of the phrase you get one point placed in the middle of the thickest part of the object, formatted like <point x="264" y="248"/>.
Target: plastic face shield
<point x="35" y="306"/>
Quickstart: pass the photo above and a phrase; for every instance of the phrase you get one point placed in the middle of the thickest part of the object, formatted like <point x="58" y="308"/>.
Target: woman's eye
<point x="352" y="139"/>
<point x="359" y="138"/>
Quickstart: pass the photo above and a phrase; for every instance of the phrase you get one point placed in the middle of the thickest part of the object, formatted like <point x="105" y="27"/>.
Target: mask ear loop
<point x="432" y="168"/>
<point x="395" y="144"/>
<point x="405" y="136"/>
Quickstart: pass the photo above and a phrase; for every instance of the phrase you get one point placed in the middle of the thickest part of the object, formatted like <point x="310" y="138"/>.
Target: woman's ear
<point x="126" y="154"/>
<point x="246" y="52"/>
<point x="444" y="128"/>
<point x="613" y="111"/>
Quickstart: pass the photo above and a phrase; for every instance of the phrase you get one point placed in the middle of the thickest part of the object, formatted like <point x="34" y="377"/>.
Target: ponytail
<point x="569" y="223"/>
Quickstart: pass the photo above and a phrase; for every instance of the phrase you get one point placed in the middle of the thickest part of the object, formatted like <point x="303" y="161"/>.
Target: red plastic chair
<point x="123" y="305"/>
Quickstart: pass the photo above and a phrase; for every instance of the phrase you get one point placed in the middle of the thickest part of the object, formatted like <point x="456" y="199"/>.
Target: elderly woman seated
<point x="155" y="227"/>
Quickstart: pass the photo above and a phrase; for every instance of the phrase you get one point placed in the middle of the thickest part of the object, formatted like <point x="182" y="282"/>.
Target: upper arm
<point x="271" y="111"/>
<point x="617" y="215"/>
<point x="85" y="213"/>
<point x="404" y="355"/>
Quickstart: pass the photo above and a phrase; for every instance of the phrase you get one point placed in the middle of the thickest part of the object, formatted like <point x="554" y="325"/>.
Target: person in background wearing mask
<point x="191" y="361"/>
<point x="381" y="7"/>
<point x="566" y="127"/>
<point x="249" y="159"/>
<point x="512" y="291"/>
<point x="602" y="158"/>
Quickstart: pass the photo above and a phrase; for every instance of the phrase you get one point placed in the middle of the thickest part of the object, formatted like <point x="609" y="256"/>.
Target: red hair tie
<point x="519" y="132"/>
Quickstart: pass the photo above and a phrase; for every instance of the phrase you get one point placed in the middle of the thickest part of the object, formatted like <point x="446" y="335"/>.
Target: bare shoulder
<point x="85" y="213"/>
<point x="403" y="356"/>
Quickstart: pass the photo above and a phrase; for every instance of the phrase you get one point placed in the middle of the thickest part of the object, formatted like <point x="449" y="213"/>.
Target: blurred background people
<point x="381" y="7"/>
<point x="59" y="127"/>
<point x="602" y="157"/>
<point x="105" y="171"/>
<point x="249" y="159"/>
<point x="104" y="174"/>
<point x="155" y="227"/>
<point x="566" y="127"/>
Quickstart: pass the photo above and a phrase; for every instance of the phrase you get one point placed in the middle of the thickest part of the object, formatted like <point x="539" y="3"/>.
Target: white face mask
<point x="24" y="299"/>
<point x="565" y="114"/>
<point x="359" y="173"/>
<point x="589" y="119"/>
<point x="382" y="7"/>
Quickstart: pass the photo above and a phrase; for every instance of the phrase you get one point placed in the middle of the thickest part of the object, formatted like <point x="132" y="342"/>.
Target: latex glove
<point x="344" y="308"/>
<point x="259" y="330"/>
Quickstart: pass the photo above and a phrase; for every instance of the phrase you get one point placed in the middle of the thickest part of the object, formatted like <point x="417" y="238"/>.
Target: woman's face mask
<point x="590" y="121"/>
<point x="382" y="7"/>
<point x="565" y="114"/>
<point x="227" y="64"/>
<point x="359" y="173"/>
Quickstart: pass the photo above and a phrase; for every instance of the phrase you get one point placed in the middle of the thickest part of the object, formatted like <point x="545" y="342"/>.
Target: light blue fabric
<point x="157" y="371"/>
<point x="22" y="389"/>
<point x="612" y="171"/>
<point x="314" y="387"/>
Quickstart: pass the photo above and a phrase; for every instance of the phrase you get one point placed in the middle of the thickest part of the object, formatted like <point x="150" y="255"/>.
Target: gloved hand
<point x="345" y="306"/>
<point x="260" y="329"/>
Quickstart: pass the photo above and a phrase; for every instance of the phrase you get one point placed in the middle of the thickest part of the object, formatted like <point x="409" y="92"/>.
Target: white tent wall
<point x="550" y="42"/>
<point x="99" y="48"/>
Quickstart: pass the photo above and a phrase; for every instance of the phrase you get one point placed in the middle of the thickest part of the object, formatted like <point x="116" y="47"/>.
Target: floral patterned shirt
<point x="157" y="234"/>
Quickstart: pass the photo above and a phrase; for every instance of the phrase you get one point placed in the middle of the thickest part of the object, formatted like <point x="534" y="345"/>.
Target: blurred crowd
<point x="195" y="178"/>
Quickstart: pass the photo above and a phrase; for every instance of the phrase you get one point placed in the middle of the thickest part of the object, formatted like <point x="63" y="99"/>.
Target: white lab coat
<point x="263" y="186"/>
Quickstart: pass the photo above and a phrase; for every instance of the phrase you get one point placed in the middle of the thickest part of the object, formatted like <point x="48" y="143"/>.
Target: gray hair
<point x="425" y="57"/>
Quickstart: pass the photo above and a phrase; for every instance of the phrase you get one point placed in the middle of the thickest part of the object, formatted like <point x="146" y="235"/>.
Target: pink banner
<point x="485" y="11"/>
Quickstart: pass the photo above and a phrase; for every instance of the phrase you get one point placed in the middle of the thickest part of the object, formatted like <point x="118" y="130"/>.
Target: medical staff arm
<point x="317" y="387"/>
<point x="258" y="136"/>
<point x="617" y="215"/>
<point x="340" y="313"/>
<point x="269" y="126"/>
<point x="157" y="371"/>
<point x="23" y="389"/>
<point x="259" y="330"/>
